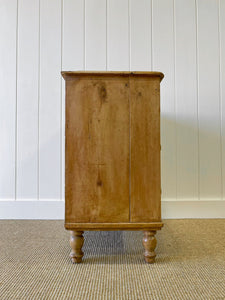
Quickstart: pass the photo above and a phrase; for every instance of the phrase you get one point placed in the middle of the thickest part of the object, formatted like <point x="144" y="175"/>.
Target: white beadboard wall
<point x="185" y="39"/>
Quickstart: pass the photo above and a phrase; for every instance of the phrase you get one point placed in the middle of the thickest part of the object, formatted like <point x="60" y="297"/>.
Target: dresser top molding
<point x="68" y="75"/>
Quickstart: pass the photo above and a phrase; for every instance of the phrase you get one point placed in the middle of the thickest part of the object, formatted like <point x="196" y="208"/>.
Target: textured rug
<point x="35" y="264"/>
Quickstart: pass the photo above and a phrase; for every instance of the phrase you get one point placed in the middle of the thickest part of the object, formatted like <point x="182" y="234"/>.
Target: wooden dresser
<point x="112" y="155"/>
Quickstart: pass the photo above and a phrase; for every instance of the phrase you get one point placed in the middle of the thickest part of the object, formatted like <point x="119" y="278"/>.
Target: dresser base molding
<point x="113" y="226"/>
<point x="77" y="229"/>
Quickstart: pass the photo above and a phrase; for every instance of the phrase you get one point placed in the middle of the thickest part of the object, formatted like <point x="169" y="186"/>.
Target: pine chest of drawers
<point x="112" y="168"/>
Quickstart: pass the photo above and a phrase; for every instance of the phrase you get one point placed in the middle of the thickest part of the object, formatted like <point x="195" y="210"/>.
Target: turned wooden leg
<point x="149" y="243"/>
<point x="76" y="243"/>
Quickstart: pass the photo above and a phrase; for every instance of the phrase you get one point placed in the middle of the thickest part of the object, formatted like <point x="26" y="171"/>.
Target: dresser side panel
<point x="97" y="150"/>
<point x="145" y="189"/>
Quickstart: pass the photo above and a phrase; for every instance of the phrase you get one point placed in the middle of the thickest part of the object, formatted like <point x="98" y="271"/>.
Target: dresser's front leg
<point x="149" y="243"/>
<point x="76" y="243"/>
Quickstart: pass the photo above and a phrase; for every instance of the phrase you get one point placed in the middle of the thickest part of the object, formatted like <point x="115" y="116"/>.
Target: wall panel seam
<point x="84" y="33"/>
<point x="175" y="91"/>
<point x="61" y="111"/>
<point x="16" y="127"/>
<point x="197" y="85"/>
<point x="129" y="33"/>
<point x="152" y="35"/>
<point x="220" y="99"/>
<point x="106" y="35"/>
<point x="39" y="74"/>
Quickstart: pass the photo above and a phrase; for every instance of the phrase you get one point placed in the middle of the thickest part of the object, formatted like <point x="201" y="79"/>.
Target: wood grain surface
<point x="114" y="226"/>
<point x="71" y="75"/>
<point x="97" y="149"/>
<point x="145" y="193"/>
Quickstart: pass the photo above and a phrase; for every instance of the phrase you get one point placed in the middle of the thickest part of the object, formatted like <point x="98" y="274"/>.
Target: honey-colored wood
<point x="97" y="150"/>
<point x="114" y="226"/>
<point x="145" y="196"/>
<point x="149" y="243"/>
<point x="76" y="243"/>
<point x="70" y="75"/>
<point x="112" y="155"/>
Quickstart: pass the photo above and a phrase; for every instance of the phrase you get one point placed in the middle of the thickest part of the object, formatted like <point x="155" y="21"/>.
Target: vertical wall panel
<point x="8" y="32"/>
<point x="209" y="100"/>
<point x="72" y="55"/>
<point x="140" y="35"/>
<point x="27" y="99"/>
<point x="118" y="35"/>
<point x="222" y="86"/>
<point x="186" y="99"/>
<point x="163" y="60"/>
<point x="50" y="100"/>
<point x="95" y="34"/>
<point x="73" y="35"/>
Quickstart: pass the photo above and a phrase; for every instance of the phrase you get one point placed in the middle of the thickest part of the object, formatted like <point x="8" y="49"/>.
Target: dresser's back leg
<point x="76" y="243"/>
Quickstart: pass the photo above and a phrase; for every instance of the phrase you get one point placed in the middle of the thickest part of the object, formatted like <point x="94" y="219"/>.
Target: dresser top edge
<point x="74" y="74"/>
